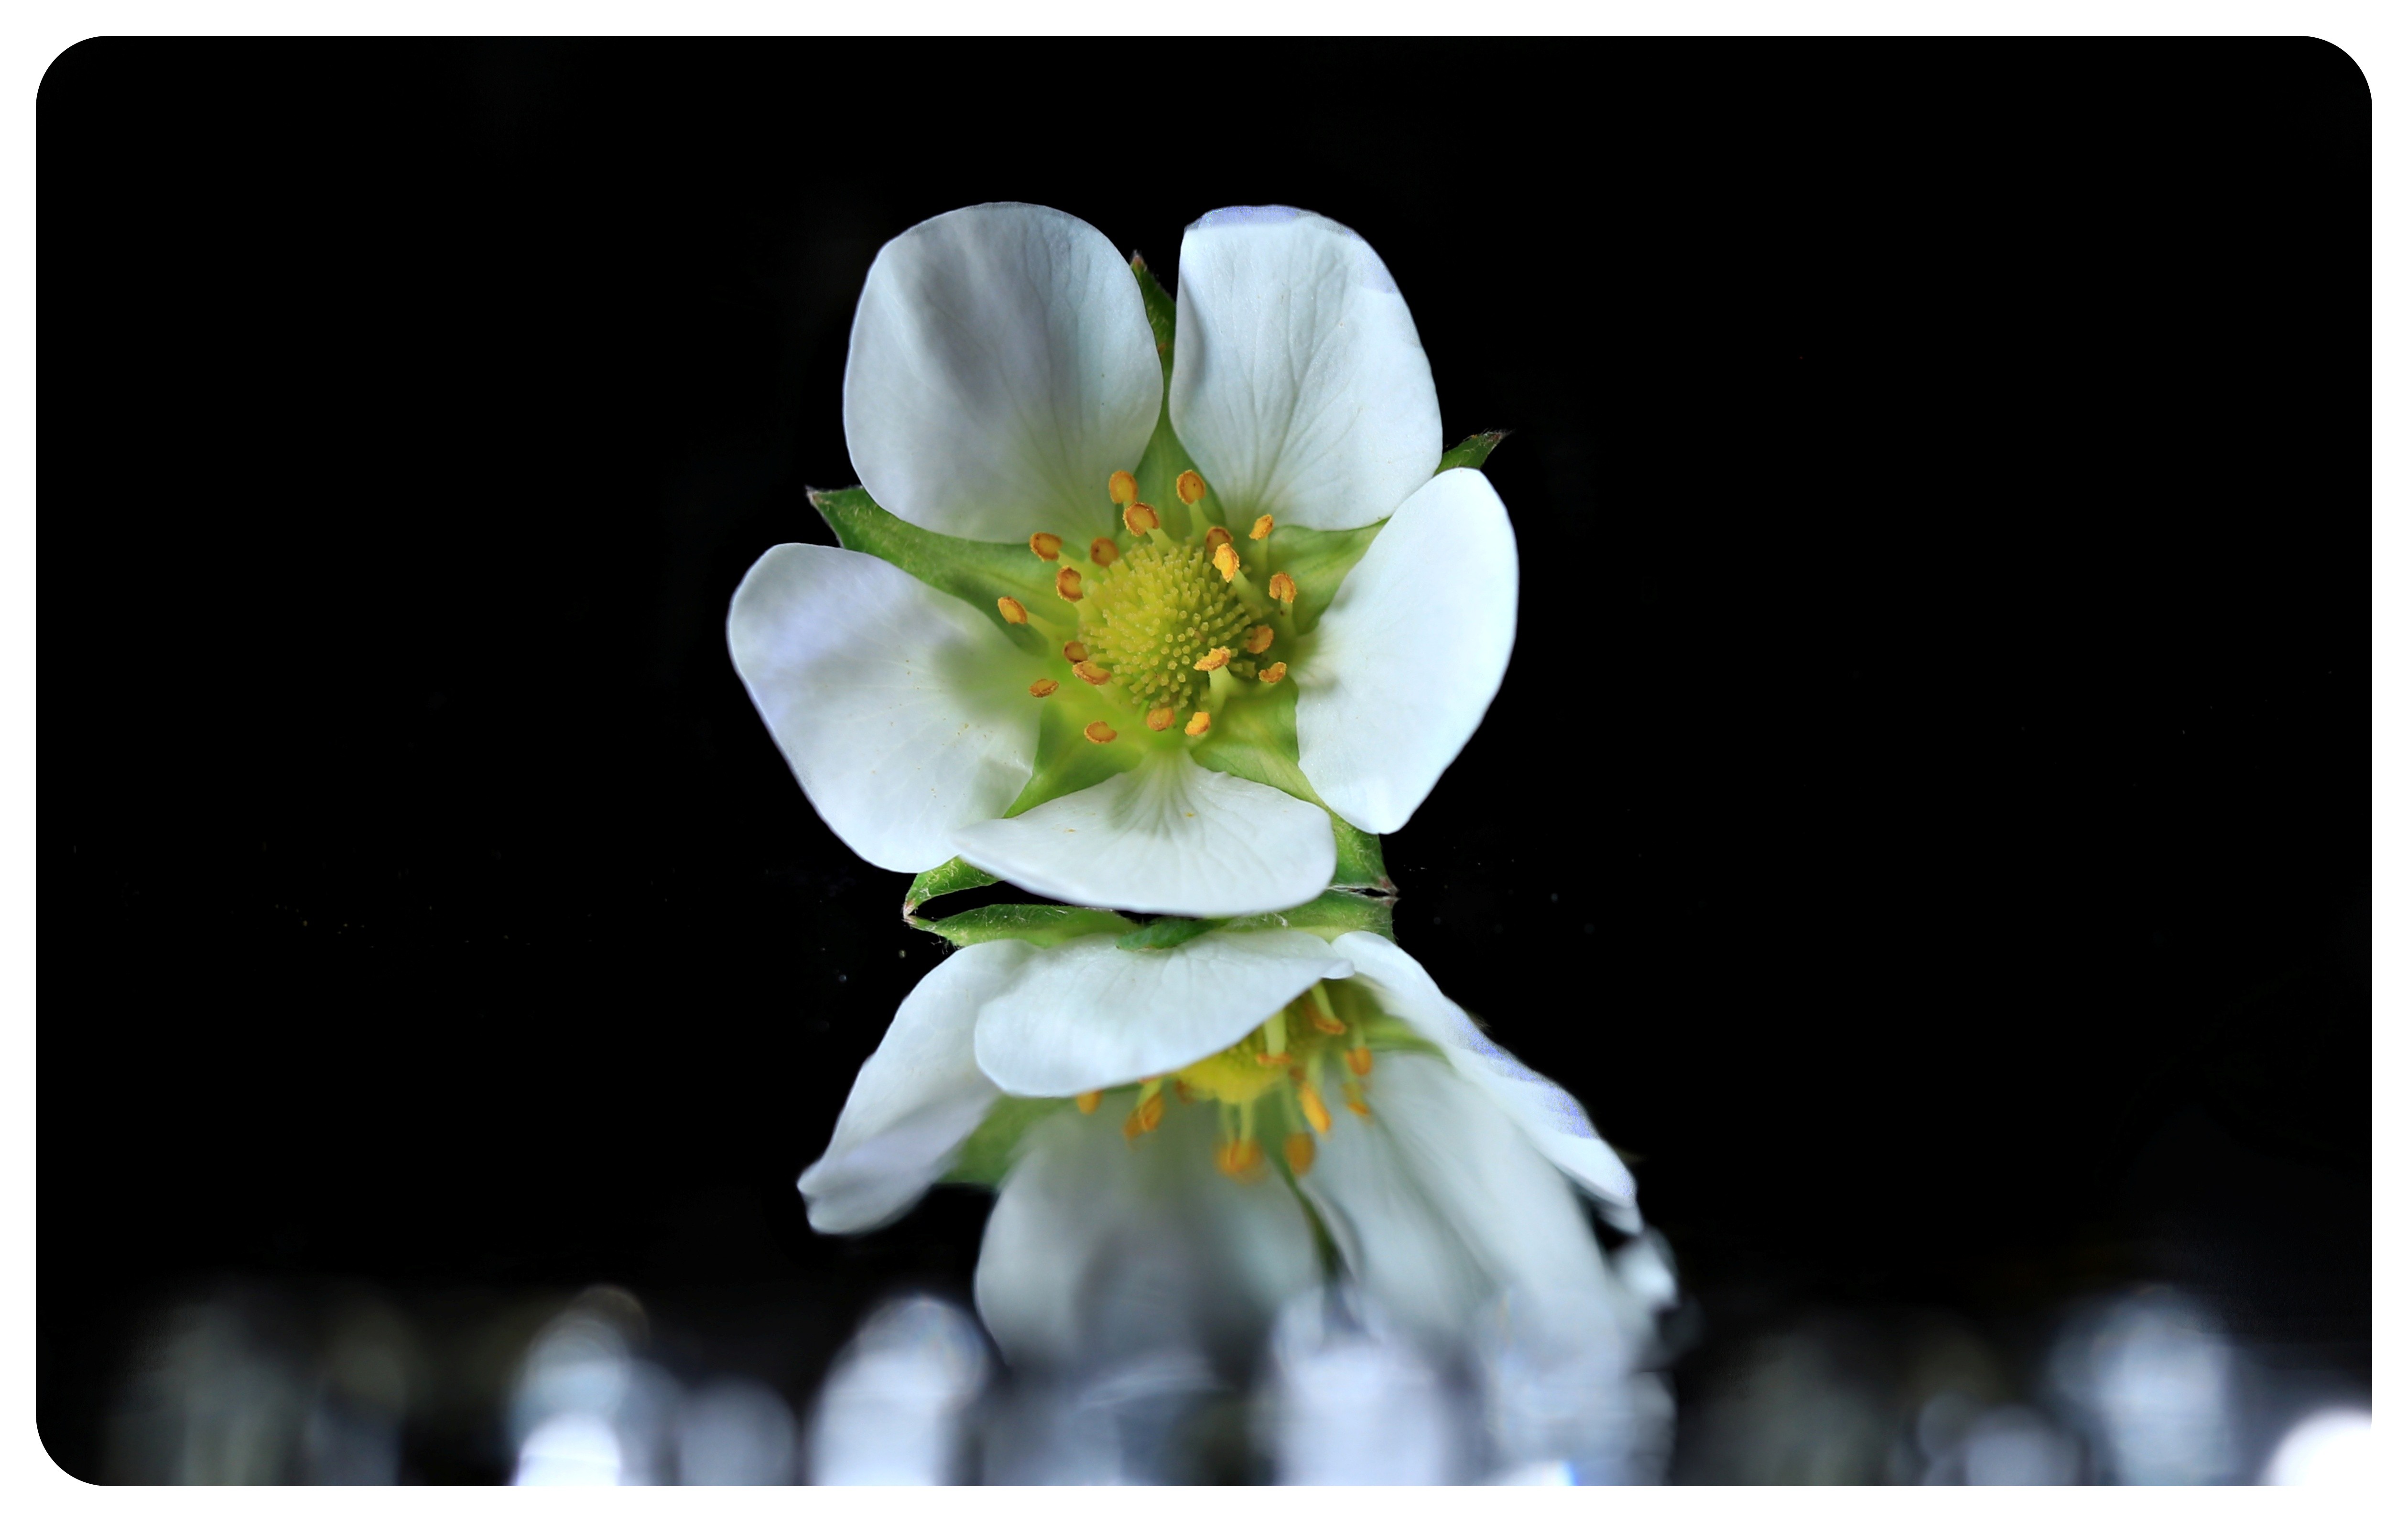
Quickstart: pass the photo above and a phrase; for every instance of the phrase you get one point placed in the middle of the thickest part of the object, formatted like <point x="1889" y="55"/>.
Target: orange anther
<point x="1284" y="590"/>
<point x="1044" y="687"/>
<point x="1123" y="488"/>
<point x="1092" y="674"/>
<point x="1191" y="488"/>
<point x="1074" y="652"/>
<point x="1148" y="1114"/>
<point x="1198" y="723"/>
<point x="1103" y="551"/>
<point x="1328" y="1025"/>
<point x="1358" y="1061"/>
<point x="1088" y="1100"/>
<point x="1224" y="560"/>
<point x="1101" y="732"/>
<point x="1298" y="1147"/>
<point x="1214" y="537"/>
<point x="1315" y="1111"/>
<point x="1066" y="585"/>
<point x="1012" y="609"/>
<point x="1048" y="546"/>
<point x="1213" y="659"/>
<point x="1271" y="1059"/>
<point x="1140" y="519"/>
<point x="1262" y="529"/>
<point x="1273" y="672"/>
<point x="1159" y="719"/>
<point x="1242" y="1159"/>
<point x="1258" y="639"/>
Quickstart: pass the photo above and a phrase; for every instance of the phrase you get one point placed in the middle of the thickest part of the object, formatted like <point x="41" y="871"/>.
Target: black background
<point x="1924" y="819"/>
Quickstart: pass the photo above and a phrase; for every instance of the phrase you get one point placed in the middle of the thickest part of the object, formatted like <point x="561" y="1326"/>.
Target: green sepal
<point x="1256" y="740"/>
<point x="972" y="570"/>
<point x="991" y="1150"/>
<point x="955" y="877"/>
<point x="1158" y="471"/>
<point x="1038" y="924"/>
<point x="1166" y="932"/>
<point x="1319" y="559"/>
<point x="1335" y="912"/>
<point x="1472" y="453"/>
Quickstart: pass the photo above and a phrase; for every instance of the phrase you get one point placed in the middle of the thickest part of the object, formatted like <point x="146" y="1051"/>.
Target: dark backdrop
<point x="1925" y="820"/>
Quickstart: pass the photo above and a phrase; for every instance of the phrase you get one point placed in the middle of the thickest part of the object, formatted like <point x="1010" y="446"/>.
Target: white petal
<point x="1439" y="1204"/>
<point x="1001" y="369"/>
<point x="1086" y="1015"/>
<point x="1166" y="837"/>
<point x="892" y="702"/>
<point x="1553" y="1119"/>
<point x="1099" y="1252"/>
<point x="1410" y="653"/>
<point x="916" y="1100"/>
<point x="1299" y="385"/>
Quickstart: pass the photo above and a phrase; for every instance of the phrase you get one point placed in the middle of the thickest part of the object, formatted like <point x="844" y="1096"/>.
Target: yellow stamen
<point x="1088" y="1100"/>
<point x="1122" y="488"/>
<point x="1103" y="551"/>
<point x="1191" y="488"/>
<point x="1315" y="1111"/>
<point x="1262" y="529"/>
<point x="1159" y="719"/>
<point x="1224" y="560"/>
<point x="1271" y="1059"/>
<point x="1044" y="687"/>
<point x="1092" y="674"/>
<point x="1186" y="1094"/>
<point x="1074" y="652"/>
<point x="1198" y="723"/>
<point x="1012" y="609"/>
<point x="1325" y="1020"/>
<point x="1066" y="585"/>
<point x="1214" y="537"/>
<point x="1358" y="1061"/>
<point x="1273" y="672"/>
<point x="1140" y="519"/>
<point x="1101" y="732"/>
<point x="1300" y="1153"/>
<point x="1148" y="1114"/>
<point x="1242" y="1159"/>
<point x="1258" y="639"/>
<point x="1283" y="591"/>
<point x="1048" y="546"/>
<point x="1214" y="658"/>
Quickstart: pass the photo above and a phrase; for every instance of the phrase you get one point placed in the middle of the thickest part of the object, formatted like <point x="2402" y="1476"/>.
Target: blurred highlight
<point x="254" y="1384"/>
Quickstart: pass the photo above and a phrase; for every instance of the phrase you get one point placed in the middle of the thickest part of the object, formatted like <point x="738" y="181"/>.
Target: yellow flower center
<point x="1168" y="628"/>
<point x="1271" y="1083"/>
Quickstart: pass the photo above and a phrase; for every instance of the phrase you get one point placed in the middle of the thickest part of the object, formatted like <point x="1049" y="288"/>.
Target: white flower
<point x="1455" y="1180"/>
<point x="1153" y="709"/>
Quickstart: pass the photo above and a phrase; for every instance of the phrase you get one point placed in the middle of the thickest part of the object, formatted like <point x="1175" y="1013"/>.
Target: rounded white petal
<point x="1087" y="1015"/>
<point x="1410" y="653"/>
<point x="916" y="1100"/>
<point x="1099" y="1252"/>
<point x="892" y="702"/>
<point x="1001" y="369"/>
<point x="1552" y="1120"/>
<point x="1166" y="837"/>
<point x="1299" y="385"/>
<point x="1439" y="1204"/>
